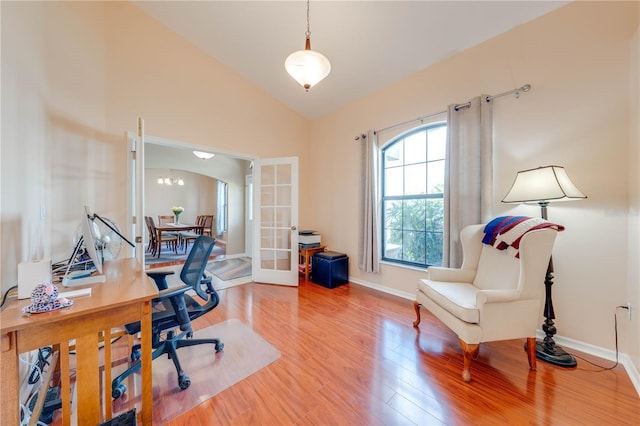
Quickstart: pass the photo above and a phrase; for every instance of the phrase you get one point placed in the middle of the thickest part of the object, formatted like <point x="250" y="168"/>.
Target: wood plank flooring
<point x="350" y="356"/>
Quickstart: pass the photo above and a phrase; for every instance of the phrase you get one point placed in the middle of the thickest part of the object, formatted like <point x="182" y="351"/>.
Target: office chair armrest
<point x="160" y="278"/>
<point x="176" y="297"/>
<point x="172" y="292"/>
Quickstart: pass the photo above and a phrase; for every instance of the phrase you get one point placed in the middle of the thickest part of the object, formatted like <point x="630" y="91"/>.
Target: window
<point x="412" y="197"/>
<point x="221" y="223"/>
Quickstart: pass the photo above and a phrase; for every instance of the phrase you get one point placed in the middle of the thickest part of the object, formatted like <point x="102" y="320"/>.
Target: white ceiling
<point x="370" y="44"/>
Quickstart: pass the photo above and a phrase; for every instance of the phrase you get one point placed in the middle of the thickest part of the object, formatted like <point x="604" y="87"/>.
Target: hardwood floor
<point x="350" y="356"/>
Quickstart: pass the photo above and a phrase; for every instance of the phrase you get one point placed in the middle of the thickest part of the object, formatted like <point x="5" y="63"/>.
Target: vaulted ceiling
<point x="370" y="44"/>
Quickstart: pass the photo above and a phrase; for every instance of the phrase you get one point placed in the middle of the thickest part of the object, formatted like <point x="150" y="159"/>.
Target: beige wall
<point x="75" y="77"/>
<point x="197" y="196"/>
<point x="577" y="115"/>
<point x="633" y="282"/>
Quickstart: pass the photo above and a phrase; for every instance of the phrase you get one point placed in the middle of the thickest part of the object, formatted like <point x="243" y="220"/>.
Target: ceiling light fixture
<point x="203" y="155"/>
<point x="170" y="181"/>
<point x="306" y="66"/>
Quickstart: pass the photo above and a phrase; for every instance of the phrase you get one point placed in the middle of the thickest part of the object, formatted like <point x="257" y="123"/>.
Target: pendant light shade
<point x="307" y="67"/>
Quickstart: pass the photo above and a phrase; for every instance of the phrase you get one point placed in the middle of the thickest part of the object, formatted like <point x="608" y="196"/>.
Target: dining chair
<point x="169" y="238"/>
<point x="187" y="236"/>
<point x="208" y="225"/>
<point x="165" y="219"/>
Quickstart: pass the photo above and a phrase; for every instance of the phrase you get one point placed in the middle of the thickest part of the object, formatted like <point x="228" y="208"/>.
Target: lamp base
<point x="555" y="355"/>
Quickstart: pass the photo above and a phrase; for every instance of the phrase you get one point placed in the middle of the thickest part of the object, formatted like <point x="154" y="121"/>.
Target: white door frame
<point x="275" y="219"/>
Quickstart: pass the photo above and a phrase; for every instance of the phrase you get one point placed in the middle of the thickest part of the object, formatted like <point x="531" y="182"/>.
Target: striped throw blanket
<point x="505" y="232"/>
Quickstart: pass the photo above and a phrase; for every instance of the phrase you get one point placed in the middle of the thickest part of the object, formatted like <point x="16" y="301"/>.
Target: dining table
<point x="176" y="227"/>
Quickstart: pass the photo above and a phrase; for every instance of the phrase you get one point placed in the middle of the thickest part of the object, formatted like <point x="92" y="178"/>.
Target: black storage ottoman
<point x="330" y="269"/>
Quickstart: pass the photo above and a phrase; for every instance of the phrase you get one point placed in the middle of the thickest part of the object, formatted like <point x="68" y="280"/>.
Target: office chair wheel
<point x="184" y="382"/>
<point x="219" y="346"/>
<point x="118" y="391"/>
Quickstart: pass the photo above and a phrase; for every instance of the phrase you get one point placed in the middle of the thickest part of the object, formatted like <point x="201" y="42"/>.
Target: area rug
<point x="230" y="268"/>
<point x="245" y="353"/>
<point x="168" y="255"/>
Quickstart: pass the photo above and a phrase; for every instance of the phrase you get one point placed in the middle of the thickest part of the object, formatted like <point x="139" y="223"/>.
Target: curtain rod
<point x="515" y="92"/>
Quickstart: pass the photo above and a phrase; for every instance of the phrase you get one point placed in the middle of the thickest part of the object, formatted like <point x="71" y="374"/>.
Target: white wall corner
<point x="624" y="359"/>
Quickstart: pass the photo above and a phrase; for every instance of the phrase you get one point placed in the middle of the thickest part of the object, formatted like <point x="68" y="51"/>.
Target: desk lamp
<point x="544" y="185"/>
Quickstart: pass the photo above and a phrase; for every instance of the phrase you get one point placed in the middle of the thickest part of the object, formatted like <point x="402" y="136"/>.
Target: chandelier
<point x="166" y="180"/>
<point x="307" y="67"/>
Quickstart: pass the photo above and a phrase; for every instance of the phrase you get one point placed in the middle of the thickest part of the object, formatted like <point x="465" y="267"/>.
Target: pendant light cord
<point x="308" y="33"/>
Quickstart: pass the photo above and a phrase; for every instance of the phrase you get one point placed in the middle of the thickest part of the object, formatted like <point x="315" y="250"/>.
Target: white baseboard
<point x="623" y="359"/>
<point x="384" y="289"/>
<point x="608" y="354"/>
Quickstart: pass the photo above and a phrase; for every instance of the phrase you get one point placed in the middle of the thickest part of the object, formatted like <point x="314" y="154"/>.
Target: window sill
<point x="401" y="265"/>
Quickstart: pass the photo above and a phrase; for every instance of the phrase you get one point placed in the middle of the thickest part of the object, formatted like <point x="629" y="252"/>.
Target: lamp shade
<point x="548" y="183"/>
<point x="307" y="67"/>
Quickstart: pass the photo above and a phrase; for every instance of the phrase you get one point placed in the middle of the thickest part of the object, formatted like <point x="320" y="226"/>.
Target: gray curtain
<point x="468" y="191"/>
<point x="368" y="236"/>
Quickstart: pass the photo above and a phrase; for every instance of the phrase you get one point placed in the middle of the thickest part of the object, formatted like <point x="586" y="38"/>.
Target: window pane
<point x="268" y="175"/>
<point x="283" y="174"/>
<point x="393" y="181"/>
<point x="393" y="244"/>
<point x="413" y="247"/>
<point x="434" y="248"/>
<point x="434" y="215"/>
<point x="415" y="148"/>
<point x="393" y="155"/>
<point x="413" y="215"/>
<point x="393" y="214"/>
<point x="413" y="220"/>
<point x="437" y="143"/>
<point x="435" y="177"/>
<point x="415" y="180"/>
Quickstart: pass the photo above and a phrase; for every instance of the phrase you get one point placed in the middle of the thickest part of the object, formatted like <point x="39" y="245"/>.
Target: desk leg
<point x="108" y="401"/>
<point x="88" y="378"/>
<point x="10" y="414"/>
<point x="147" y="385"/>
<point x="65" y="384"/>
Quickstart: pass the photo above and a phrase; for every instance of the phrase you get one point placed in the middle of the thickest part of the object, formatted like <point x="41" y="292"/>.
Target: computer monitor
<point x="77" y="278"/>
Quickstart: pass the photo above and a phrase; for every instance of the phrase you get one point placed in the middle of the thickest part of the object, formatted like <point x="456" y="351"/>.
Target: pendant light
<point x="307" y="67"/>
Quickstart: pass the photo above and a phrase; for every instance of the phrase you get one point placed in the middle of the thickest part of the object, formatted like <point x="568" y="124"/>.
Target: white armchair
<point x="493" y="296"/>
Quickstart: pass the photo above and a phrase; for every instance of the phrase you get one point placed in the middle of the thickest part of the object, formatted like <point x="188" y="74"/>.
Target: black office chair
<point x="174" y="309"/>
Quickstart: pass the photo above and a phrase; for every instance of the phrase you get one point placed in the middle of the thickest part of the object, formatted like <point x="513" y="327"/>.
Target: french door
<point x="275" y="252"/>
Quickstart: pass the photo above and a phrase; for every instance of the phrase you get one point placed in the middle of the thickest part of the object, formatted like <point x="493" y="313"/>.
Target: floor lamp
<point x="542" y="186"/>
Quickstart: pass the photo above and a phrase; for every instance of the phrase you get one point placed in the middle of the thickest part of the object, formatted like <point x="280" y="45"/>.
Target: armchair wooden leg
<point x="416" y="306"/>
<point x="531" y="352"/>
<point x="468" y="353"/>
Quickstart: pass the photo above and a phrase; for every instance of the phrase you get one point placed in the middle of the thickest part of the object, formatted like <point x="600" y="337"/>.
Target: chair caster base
<point x="118" y="391"/>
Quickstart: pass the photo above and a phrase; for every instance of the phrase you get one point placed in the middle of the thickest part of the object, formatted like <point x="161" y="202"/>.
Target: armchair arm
<point x="436" y="273"/>
<point x="496" y="296"/>
<point x="175" y="296"/>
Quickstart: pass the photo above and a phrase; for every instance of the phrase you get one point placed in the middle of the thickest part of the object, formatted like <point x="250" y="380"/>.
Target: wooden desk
<point x="171" y="227"/>
<point x="305" y="259"/>
<point x="124" y="297"/>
